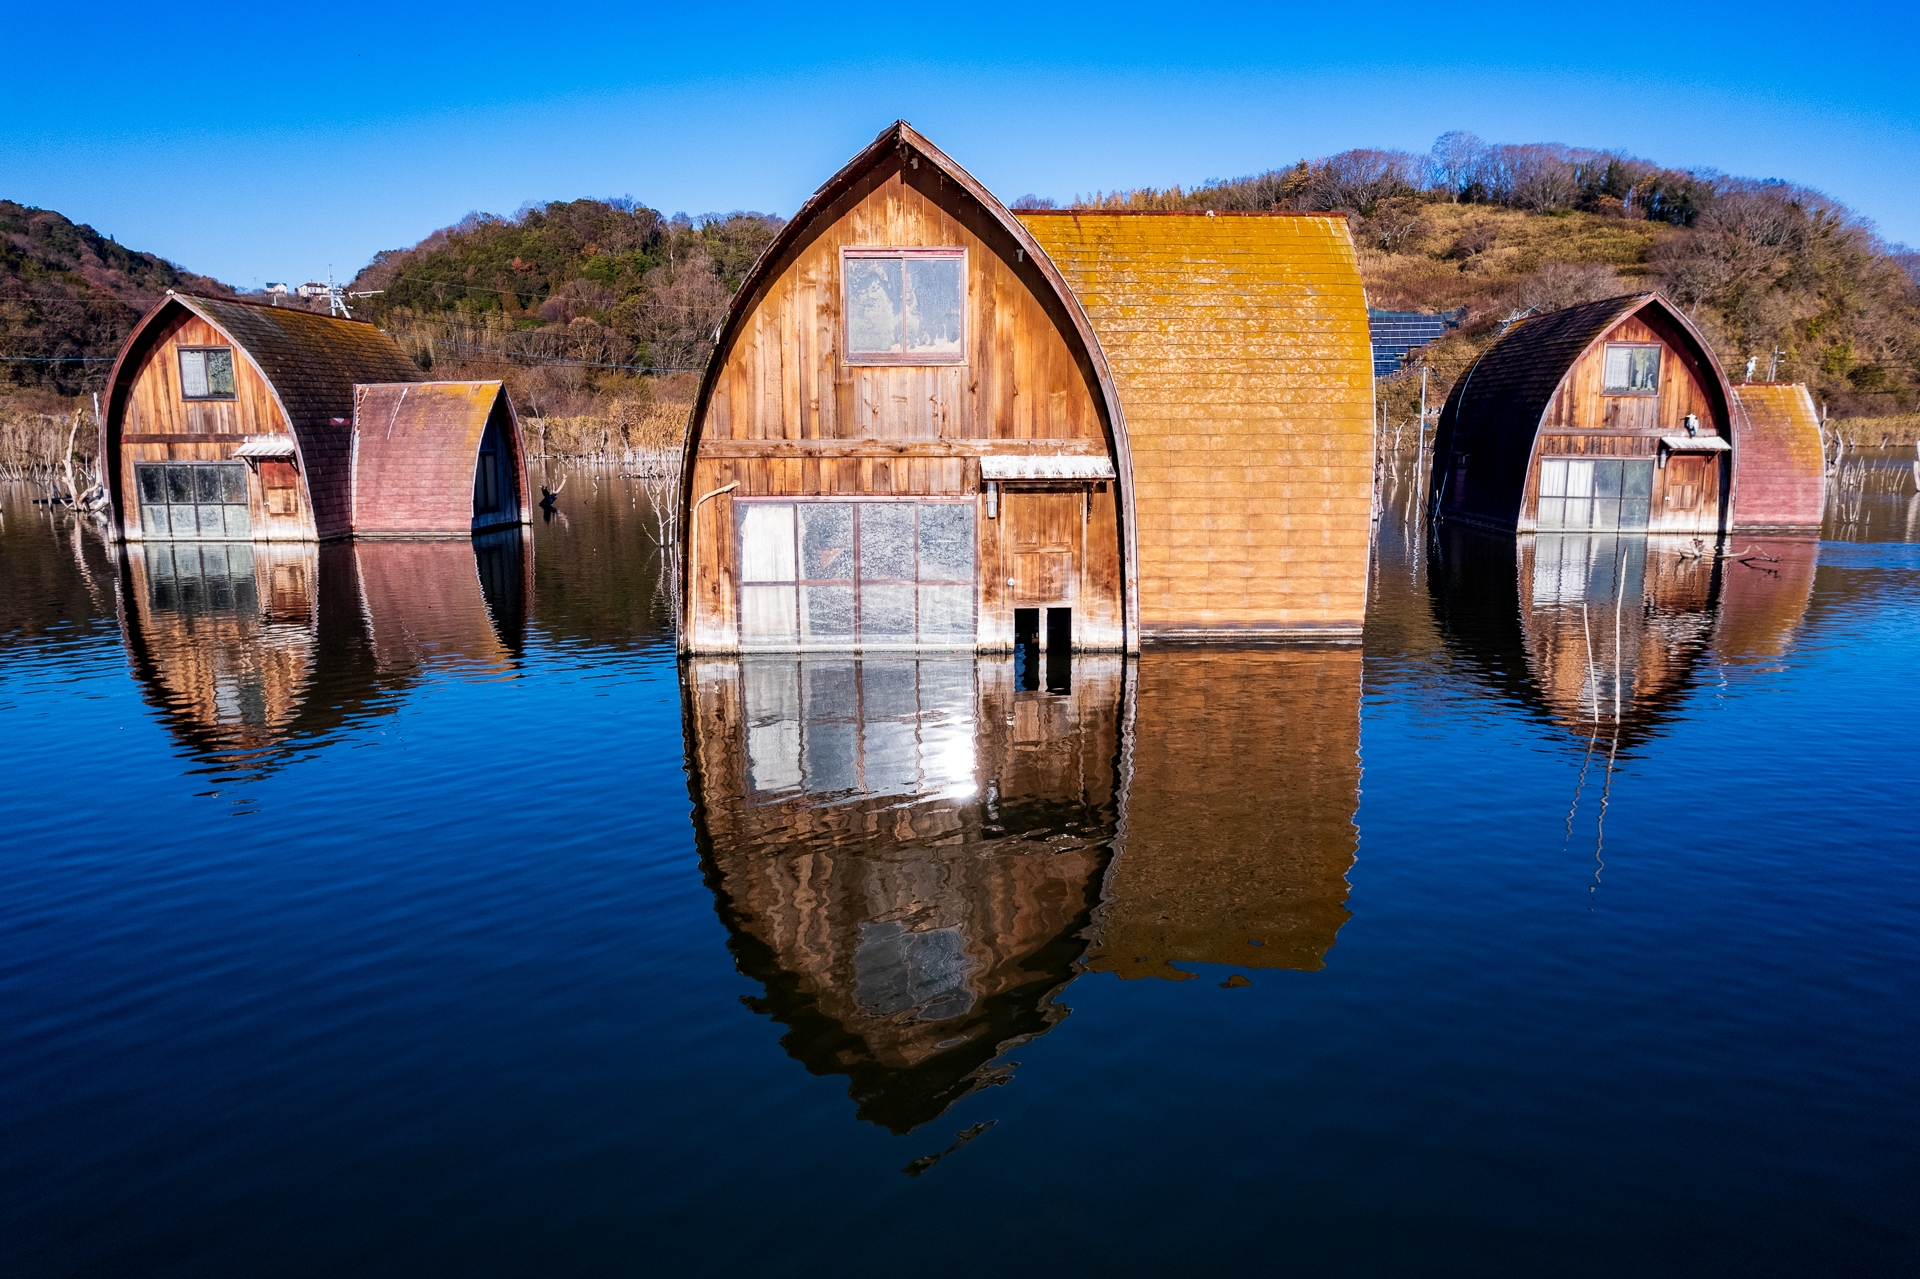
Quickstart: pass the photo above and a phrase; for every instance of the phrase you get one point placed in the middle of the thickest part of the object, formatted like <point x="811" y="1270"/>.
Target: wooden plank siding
<point x="784" y="412"/>
<point x="1240" y="347"/>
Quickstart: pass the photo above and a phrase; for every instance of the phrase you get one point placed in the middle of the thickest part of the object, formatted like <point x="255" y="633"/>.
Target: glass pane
<point x="933" y="306"/>
<point x="886" y="616"/>
<point x="946" y="616"/>
<point x="180" y="485"/>
<point x="233" y="487"/>
<point x="873" y="305"/>
<point x="213" y="521"/>
<point x="826" y="541"/>
<point x="826" y="616"/>
<point x="1579" y="479"/>
<point x="946" y="542"/>
<point x="1553" y="477"/>
<point x="766" y="543"/>
<point x="193" y="374"/>
<point x="219" y="373"/>
<point x="1644" y="370"/>
<point x="767" y="616"/>
<point x="153" y="483"/>
<point x="1606" y="478"/>
<point x="886" y="541"/>
<point x="238" y="524"/>
<point x="207" y="484"/>
<point x="185" y="522"/>
<point x="1553" y="512"/>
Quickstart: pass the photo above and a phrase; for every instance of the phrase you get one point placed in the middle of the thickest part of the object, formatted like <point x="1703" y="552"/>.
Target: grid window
<point x="206" y="373"/>
<point x="204" y="500"/>
<point x="1594" y="493"/>
<point x="867" y="575"/>
<point x="1633" y="370"/>
<point x="905" y="306"/>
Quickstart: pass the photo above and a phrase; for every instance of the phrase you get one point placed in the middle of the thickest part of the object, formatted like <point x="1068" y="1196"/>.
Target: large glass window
<point x="1594" y="493"/>
<point x="905" y="306"/>
<point x="206" y="373"/>
<point x="193" y="499"/>
<point x="869" y="575"/>
<point x="1632" y="370"/>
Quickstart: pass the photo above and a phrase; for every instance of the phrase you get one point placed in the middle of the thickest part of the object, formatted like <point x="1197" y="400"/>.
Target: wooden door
<point x="1043" y="540"/>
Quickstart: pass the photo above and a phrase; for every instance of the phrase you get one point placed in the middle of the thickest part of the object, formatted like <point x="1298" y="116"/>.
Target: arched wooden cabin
<point x="235" y="421"/>
<point x="1779" y="458"/>
<point x="1613" y="415"/>
<point x="911" y="435"/>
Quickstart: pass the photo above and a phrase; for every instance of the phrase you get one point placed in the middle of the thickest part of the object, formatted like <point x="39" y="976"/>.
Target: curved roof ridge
<point x="897" y="138"/>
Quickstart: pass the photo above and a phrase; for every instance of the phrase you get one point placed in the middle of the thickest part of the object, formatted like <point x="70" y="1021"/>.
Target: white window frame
<point x="903" y="254"/>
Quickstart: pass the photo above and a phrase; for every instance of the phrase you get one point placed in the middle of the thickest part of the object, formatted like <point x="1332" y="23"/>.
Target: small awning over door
<point x="1054" y="467"/>
<point x="266" y="446"/>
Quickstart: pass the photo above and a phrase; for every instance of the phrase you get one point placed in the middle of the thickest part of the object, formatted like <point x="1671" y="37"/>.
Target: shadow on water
<point x="914" y="857"/>
<point x="249" y="650"/>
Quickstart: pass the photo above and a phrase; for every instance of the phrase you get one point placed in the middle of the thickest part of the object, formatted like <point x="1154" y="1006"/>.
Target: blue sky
<point x="252" y="143"/>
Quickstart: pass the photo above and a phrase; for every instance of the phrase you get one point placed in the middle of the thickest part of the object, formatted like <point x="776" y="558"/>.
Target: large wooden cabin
<point x="235" y="421"/>
<point x="1610" y="416"/>
<point x="914" y="432"/>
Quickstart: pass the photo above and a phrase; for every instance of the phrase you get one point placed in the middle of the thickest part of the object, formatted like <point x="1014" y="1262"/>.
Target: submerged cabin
<point x="236" y="421"/>
<point x="1610" y="416"/>
<point x="931" y="423"/>
<point x="1779" y="459"/>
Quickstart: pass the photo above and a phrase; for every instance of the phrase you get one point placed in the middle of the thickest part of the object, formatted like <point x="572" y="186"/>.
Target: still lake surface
<point x="409" y="909"/>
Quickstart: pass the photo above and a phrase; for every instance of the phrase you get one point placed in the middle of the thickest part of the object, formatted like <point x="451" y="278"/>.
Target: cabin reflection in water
<point x="914" y="857"/>
<point x="245" y="647"/>
<point x="1604" y="633"/>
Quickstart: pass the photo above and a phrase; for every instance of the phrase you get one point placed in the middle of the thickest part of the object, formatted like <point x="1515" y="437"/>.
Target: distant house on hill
<point x="932" y="422"/>
<point x="1609" y="416"/>
<point x="240" y="421"/>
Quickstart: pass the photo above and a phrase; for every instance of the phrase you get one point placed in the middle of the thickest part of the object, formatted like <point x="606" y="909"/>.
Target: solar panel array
<point x="1397" y="332"/>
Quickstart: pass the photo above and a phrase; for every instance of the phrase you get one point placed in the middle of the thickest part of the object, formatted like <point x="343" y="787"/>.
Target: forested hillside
<point x="69" y="295"/>
<point x="601" y="312"/>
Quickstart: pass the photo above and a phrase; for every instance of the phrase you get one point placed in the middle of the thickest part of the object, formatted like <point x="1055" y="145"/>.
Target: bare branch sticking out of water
<point x="925" y="1162"/>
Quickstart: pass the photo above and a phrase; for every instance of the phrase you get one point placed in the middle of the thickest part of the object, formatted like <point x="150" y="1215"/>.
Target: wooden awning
<point x="1045" y="467"/>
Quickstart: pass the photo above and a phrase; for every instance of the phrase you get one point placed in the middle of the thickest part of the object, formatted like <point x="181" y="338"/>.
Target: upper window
<point x="206" y="373"/>
<point x="1633" y="370"/>
<point x="905" y="306"/>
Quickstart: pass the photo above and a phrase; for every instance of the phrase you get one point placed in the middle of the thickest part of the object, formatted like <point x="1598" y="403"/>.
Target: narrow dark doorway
<point x="1060" y="650"/>
<point x="1026" y="649"/>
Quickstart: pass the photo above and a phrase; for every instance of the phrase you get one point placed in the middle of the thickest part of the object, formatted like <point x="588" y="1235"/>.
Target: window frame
<point x="858" y="581"/>
<point x="884" y="359"/>
<point x="1659" y="367"/>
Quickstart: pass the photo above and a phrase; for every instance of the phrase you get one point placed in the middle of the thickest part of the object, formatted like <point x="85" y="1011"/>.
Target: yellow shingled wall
<point x="1240" y="350"/>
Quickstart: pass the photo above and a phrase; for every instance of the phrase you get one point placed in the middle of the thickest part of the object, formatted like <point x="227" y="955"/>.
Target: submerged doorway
<point x="1044" y="540"/>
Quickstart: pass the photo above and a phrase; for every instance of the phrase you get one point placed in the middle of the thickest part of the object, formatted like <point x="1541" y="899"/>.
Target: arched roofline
<point x="896" y="142"/>
<point x="1671" y="323"/>
<point x="133" y="352"/>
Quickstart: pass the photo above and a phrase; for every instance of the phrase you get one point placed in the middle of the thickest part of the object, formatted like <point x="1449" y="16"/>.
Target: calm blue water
<point x="410" y="910"/>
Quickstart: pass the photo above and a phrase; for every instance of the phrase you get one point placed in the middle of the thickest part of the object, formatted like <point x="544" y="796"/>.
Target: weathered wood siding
<point x="1583" y="420"/>
<point x="161" y="426"/>
<point x="1240" y="347"/>
<point x="790" y="416"/>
